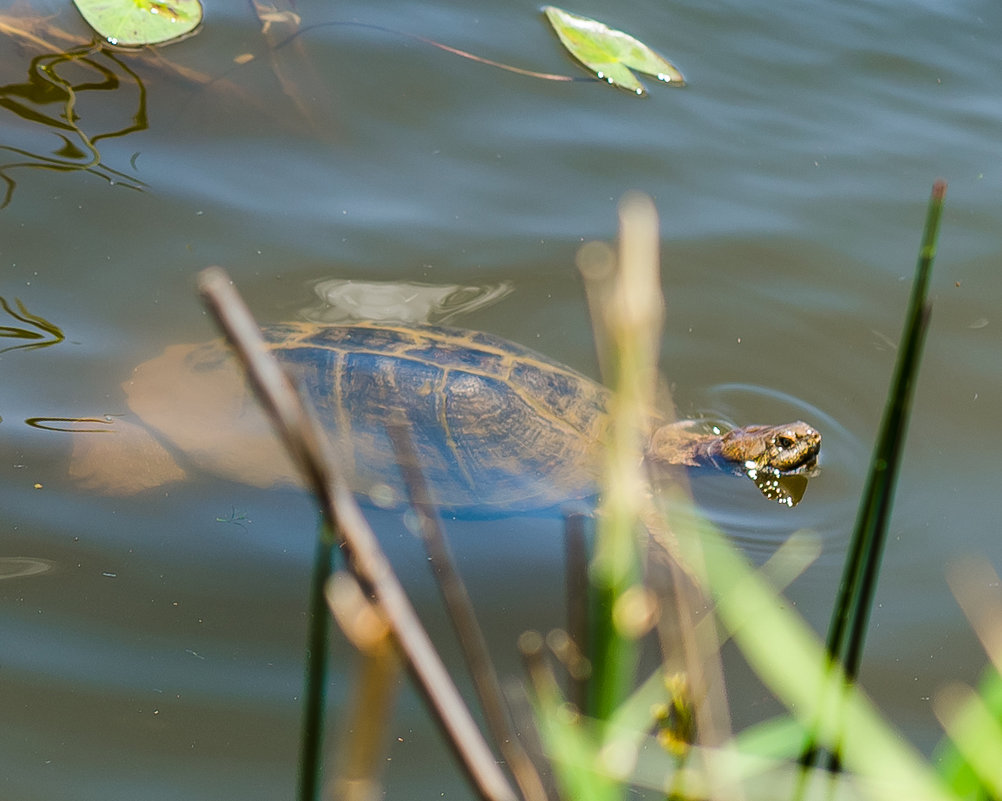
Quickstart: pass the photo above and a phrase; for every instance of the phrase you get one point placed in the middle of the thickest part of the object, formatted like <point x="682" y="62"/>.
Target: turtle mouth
<point x="803" y="462"/>
<point x="808" y="467"/>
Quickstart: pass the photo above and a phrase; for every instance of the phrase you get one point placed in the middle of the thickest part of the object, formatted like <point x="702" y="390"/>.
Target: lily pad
<point x="609" y="53"/>
<point x="133" y="23"/>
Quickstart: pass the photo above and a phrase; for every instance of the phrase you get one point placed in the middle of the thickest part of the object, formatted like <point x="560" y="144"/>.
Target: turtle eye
<point x="785" y="441"/>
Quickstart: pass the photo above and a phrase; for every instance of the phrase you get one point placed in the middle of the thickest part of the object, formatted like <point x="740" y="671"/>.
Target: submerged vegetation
<point x="603" y="728"/>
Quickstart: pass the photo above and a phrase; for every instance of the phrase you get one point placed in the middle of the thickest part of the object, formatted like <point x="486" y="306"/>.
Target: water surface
<point x="791" y="175"/>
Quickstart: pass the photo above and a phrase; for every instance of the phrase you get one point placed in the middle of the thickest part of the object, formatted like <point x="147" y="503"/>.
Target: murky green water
<point x="160" y="654"/>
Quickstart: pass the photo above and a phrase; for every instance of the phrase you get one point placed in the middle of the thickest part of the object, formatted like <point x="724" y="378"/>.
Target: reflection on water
<point x="39" y="332"/>
<point x="56" y="87"/>
<point x="786" y="490"/>
<point x="400" y="301"/>
<point x="22" y="566"/>
<point x="77" y="425"/>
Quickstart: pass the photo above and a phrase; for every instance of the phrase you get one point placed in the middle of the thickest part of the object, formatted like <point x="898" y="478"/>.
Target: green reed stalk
<point x="317" y="666"/>
<point x="848" y="625"/>
<point x="847" y="630"/>
<point x="631" y="313"/>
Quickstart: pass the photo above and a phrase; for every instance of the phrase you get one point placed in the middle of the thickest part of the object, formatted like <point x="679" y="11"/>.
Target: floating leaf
<point x="611" y="54"/>
<point x="132" y="23"/>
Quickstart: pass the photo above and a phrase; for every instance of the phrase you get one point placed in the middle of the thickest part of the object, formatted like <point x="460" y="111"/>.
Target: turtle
<point x="495" y="425"/>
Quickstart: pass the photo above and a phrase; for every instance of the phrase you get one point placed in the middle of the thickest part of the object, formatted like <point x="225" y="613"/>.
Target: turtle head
<point x="780" y="450"/>
<point x="778" y="459"/>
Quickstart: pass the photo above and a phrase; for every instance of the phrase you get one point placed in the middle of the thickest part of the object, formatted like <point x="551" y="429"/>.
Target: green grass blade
<point x="847" y="630"/>
<point x="974" y="728"/>
<point x="572" y="747"/>
<point x="632" y="318"/>
<point x="791" y="661"/>
<point x="317" y="664"/>
<point x="953" y="766"/>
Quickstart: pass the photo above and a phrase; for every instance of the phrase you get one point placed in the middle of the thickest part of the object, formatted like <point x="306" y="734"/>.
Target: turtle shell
<point x="494" y="424"/>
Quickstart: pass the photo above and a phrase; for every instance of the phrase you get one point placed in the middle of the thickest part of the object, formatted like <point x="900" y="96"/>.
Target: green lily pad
<point x="609" y="53"/>
<point x="133" y="23"/>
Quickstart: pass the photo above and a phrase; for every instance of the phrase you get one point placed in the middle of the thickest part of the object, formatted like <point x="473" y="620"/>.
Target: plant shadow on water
<point x="52" y="97"/>
<point x="67" y="88"/>
<point x="36" y="331"/>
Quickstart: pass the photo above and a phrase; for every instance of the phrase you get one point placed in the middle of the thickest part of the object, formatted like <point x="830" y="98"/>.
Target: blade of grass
<point x="624" y="297"/>
<point x="975" y="584"/>
<point x="317" y="664"/>
<point x="631" y="320"/>
<point x="627" y="315"/>
<point x="960" y="773"/>
<point x="847" y="630"/>
<point x="976" y="733"/>
<point x="571" y="748"/>
<point x="790" y="660"/>
<point x="788" y="562"/>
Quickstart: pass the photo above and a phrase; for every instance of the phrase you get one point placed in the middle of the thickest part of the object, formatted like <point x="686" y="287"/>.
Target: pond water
<point x="153" y="645"/>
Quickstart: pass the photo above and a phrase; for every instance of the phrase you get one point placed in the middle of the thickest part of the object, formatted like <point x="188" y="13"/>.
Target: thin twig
<point x="298" y="432"/>
<point x="460" y="609"/>
<point x="546" y="76"/>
